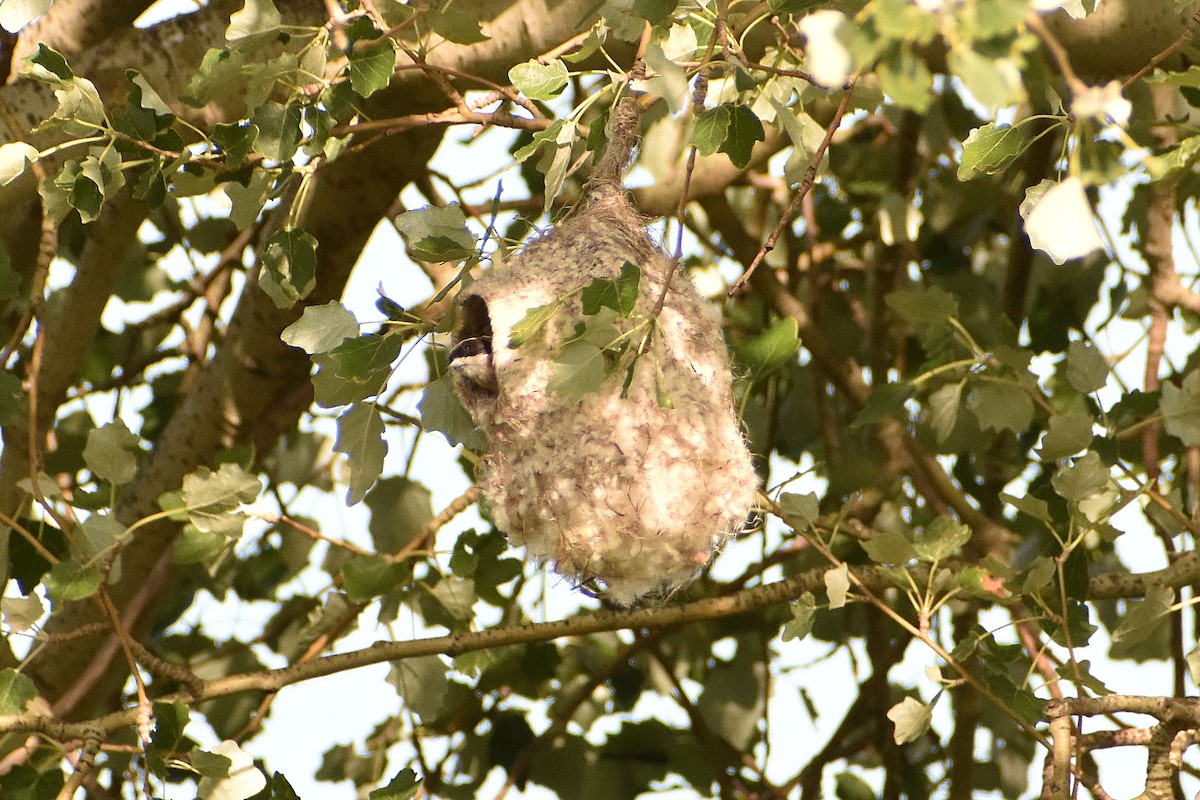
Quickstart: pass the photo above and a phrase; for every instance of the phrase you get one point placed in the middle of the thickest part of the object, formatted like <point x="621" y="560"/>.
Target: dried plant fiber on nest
<point x="620" y="489"/>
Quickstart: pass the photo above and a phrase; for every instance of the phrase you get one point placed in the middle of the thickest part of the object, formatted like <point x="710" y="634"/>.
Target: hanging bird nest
<point x="615" y="449"/>
<point x="603" y="384"/>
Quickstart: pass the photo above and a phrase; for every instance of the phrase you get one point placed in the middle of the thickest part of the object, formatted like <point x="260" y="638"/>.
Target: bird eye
<point x="467" y="348"/>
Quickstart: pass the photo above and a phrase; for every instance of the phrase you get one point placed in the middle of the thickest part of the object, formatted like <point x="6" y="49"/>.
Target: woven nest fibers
<point x="615" y="449"/>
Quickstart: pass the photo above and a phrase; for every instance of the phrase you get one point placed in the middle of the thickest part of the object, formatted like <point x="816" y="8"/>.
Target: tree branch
<point x="1184" y="571"/>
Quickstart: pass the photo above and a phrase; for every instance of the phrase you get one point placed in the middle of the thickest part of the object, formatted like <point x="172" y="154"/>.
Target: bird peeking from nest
<point x="471" y="355"/>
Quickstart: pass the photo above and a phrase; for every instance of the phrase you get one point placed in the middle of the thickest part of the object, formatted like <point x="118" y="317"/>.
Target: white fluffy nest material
<point x="635" y="491"/>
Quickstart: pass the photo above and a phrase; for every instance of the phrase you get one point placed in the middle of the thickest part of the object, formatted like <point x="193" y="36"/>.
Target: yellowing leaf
<point x="539" y="81"/>
<point x="321" y="328"/>
<point x="1059" y="221"/>
<point x="989" y="149"/>
<point x="911" y="718"/>
<point x="14" y="158"/>
<point x="256" y="16"/>
<point x="16" y="14"/>
<point x="837" y="585"/>
<point x="241" y="779"/>
<point x="827" y="56"/>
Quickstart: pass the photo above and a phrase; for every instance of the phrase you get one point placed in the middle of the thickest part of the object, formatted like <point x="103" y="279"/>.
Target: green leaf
<point x="437" y="234"/>
<point x="732" y="699"/>
<point x="989" y="149"/>
<point x="923" y="307"/>
<point x="69" y="580"/>
<point x="16" y="690"/>
<point x="904" y="77"/>
<point x="1087" y="368"/>
<point x="256" y="16"/>
<point x="912" y="719"/>
<point x="458" y="25"/>
<point x="852" y="786"/>
<point x="885" y="401"/>
<point x="889" y="547"/>
<point x="1180" y="408"/>
<point x="360" y="439"/>
<point x="1080" y="672"/>
<point x="194" y="546"/>
<point x="400" y="509"/>
<point x="943" y="409"/>
<point x="281" y="789"/>
<point x="803" y="610"/>
<point x="1075" y="577"/>
<point x="213" y="499"/>
<point x="371" y="68"/>
<point x="539" y="81"/>
<point x="554" y="165"/>
<point x="365" y="577"/>
<point x="1142" y="619"/>
<point x="539" y="138"/>
<point x="711" y="129"/>
<point x="940" y="539"/>
<point x="404" y="786"/>
<point x="27" y="564"/>
<point x="422" y="683"/>
<point x="289" y="266"/>
<point x="1079" y="628"/>
<point x="16" y="14"/>
<point x="995" y="82"/>
<point x="1174" y="159"/>
<point x="85" y="196"/>
<point x="743" y="131"/>
<point x="1000" y="405"/>
<point x="578" y="371"/>
<point x="48" y="65"/>
<point x="170" y="720"/>
<point x="1041" y="574"/>
<point x="15" y="158"/>
<point x="449" y="603"/>
<point x="620" y="293"/>
<point x="655" y="12"/>
<point x="367" y="358"/>
<point x="800" y="510"/>
<point x="144" y="96"/>
<point x="1067" y="435"/>
<point x="248" y="200"/>
<point x="354" y="370"/>
<point x="82" y="185"/>
<point x="279" y="132"/>
<point x="532" y="323"/>
<point x="219" y="75"/>
<point x="22" y="613"/>
<point x="1083" y="477"/>
<point x="321" y="328"/>
<point x="771" y="349"/>
<point x="442" y="411"/>
<point x="236" y="139"/>
<point x="111" y="452"/>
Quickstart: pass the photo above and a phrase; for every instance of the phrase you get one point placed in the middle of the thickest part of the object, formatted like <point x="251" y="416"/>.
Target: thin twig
<point x="1189" y="33"/>
<point x="810" y="177"/>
